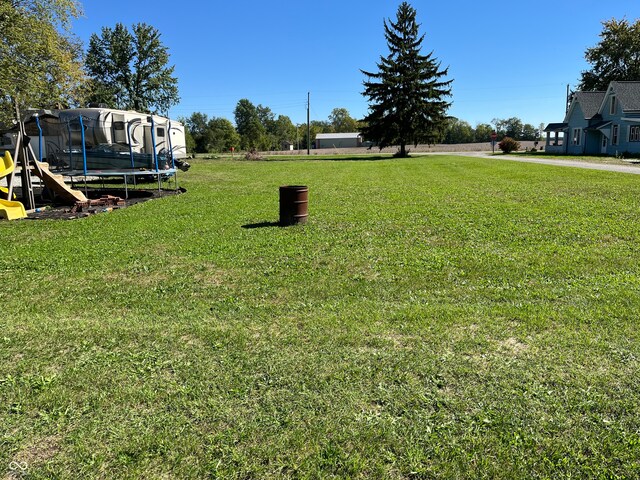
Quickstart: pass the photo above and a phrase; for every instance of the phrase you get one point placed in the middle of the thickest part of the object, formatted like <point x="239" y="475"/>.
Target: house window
<point x="615" y="134"/>
<point x="612" y="109"/>
<point x="576" y="136"/>
<point x="634" y="133"/>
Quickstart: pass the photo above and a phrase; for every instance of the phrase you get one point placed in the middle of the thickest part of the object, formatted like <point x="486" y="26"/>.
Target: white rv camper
<point x="106" y="139"/>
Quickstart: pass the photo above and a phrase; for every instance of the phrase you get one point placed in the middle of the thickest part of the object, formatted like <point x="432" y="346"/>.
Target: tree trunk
<point x="403" y="150"/>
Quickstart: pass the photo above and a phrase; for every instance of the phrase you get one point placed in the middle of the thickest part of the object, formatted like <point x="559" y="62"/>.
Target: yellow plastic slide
<point x="6" y="164"/>
<point x="9" y="209"/>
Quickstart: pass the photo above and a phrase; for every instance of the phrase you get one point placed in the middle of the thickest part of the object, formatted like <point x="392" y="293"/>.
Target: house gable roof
<point x="590" y="103"/>
<point x="627" y="93"/>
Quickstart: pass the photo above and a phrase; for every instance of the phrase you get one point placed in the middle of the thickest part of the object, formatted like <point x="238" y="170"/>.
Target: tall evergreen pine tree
<point x="406" y="95"/>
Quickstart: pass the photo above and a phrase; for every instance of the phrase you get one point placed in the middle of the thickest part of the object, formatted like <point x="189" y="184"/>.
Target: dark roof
<point x="628" y="94"/>
<point x="589" y="102"/>
<point x="553" y="127"/>
<point x="598" y="125"/>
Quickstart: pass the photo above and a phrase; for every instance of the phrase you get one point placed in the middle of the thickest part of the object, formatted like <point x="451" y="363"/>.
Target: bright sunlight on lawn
<point x="438" y="317"/>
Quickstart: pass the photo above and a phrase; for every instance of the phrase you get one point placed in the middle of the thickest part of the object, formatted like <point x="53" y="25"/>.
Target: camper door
<point x="160" y="138"/>
<point x="118" y="129"/>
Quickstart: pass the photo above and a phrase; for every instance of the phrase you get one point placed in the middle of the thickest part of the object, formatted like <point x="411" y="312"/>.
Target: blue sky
<point x="505" y="60"/>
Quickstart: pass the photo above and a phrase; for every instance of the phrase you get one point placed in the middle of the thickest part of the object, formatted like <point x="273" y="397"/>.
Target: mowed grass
<point x="438" y="317"/>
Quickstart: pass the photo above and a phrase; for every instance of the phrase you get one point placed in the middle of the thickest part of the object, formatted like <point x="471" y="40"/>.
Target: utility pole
<point x="308" y="124"/>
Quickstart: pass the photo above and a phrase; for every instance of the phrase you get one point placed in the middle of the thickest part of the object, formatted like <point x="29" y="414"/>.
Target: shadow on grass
<point x="330" y="158"/>
<point x="367" y="158"/>
<point x="261" y="225"/>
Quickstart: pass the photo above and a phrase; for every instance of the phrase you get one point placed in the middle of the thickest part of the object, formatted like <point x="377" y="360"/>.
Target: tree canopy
<point x="42" y="69"/>
<point x="211" y="135"/>
<point x="260" y="129"/>
<point x="514" y="128"/>
<point x="249" y="125"/>
<point x="458" y="131"/>
<point x="407" y="95"/>
<point x="342" y="122"/>
<point x="482" y="132"/>
<point x="615" y="58"/>
<point x="130" y="69"/>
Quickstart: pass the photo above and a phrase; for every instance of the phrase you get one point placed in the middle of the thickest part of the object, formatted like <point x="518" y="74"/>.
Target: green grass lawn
<point x="438" y="317"/>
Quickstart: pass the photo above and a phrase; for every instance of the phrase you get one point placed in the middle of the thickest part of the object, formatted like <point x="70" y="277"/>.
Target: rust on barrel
<point x="294" y="202"/>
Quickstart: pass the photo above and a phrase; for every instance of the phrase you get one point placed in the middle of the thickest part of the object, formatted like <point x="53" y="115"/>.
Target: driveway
<point x="631" y="168"/>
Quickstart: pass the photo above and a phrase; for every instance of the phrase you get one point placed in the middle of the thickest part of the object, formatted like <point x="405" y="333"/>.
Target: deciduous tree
<point x="483" y="132"/>
<point x="268" y="140"/>
<point x="40" y="59"/>
<point x="342" y="122"/>
<point x="284" y="131"/>
<point x="615" y="58"/>
<point x="197" y="126"/>
<point x="458" y="131"/>
<point x="508" y="127"/>
<point x="529" y="132"/>
<point x="407" y="94"/>
<point x="223" y="135"/>
<point x="211" y="135"/>
<point x="130" y="69"/>
<point x="249" y="125"/>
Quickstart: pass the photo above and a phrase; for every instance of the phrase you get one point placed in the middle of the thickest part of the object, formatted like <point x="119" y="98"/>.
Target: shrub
<point x="253" y="155"/>
<point x="508" y="145"/>
<point x="627" y="155"/>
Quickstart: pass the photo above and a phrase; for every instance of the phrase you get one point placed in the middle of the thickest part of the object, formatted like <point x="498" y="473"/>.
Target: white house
<point x="338" y="140"/>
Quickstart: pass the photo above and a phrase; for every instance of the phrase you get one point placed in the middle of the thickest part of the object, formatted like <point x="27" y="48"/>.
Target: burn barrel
<point x="294" y="202"/>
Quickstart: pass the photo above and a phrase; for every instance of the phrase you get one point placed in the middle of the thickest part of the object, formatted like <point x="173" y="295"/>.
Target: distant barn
<point x="338" y="140"/>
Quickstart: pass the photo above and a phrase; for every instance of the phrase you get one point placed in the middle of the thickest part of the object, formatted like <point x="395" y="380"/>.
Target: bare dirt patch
<point x="52" y="211"/>
<point x="513" y="346"/>
<point x="37" y="453"/>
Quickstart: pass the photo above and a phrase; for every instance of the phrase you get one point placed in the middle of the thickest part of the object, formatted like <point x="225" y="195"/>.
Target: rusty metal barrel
<point x="294" y="203"/>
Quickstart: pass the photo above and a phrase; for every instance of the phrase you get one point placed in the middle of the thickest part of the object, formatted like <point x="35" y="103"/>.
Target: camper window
<point x="74" y="126"/>
<point x="160" y="132"/>
<point x="31" y="129"/>
<point x="118" y="125"/>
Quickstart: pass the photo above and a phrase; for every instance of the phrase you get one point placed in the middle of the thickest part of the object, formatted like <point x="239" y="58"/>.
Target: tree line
<point x="460" y="131"/>
<point x="129" y="68"/>
<point x="258" y="128"/>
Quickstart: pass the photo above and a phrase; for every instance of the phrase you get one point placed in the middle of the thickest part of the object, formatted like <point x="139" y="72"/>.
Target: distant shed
<point x="338" y="140"/>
